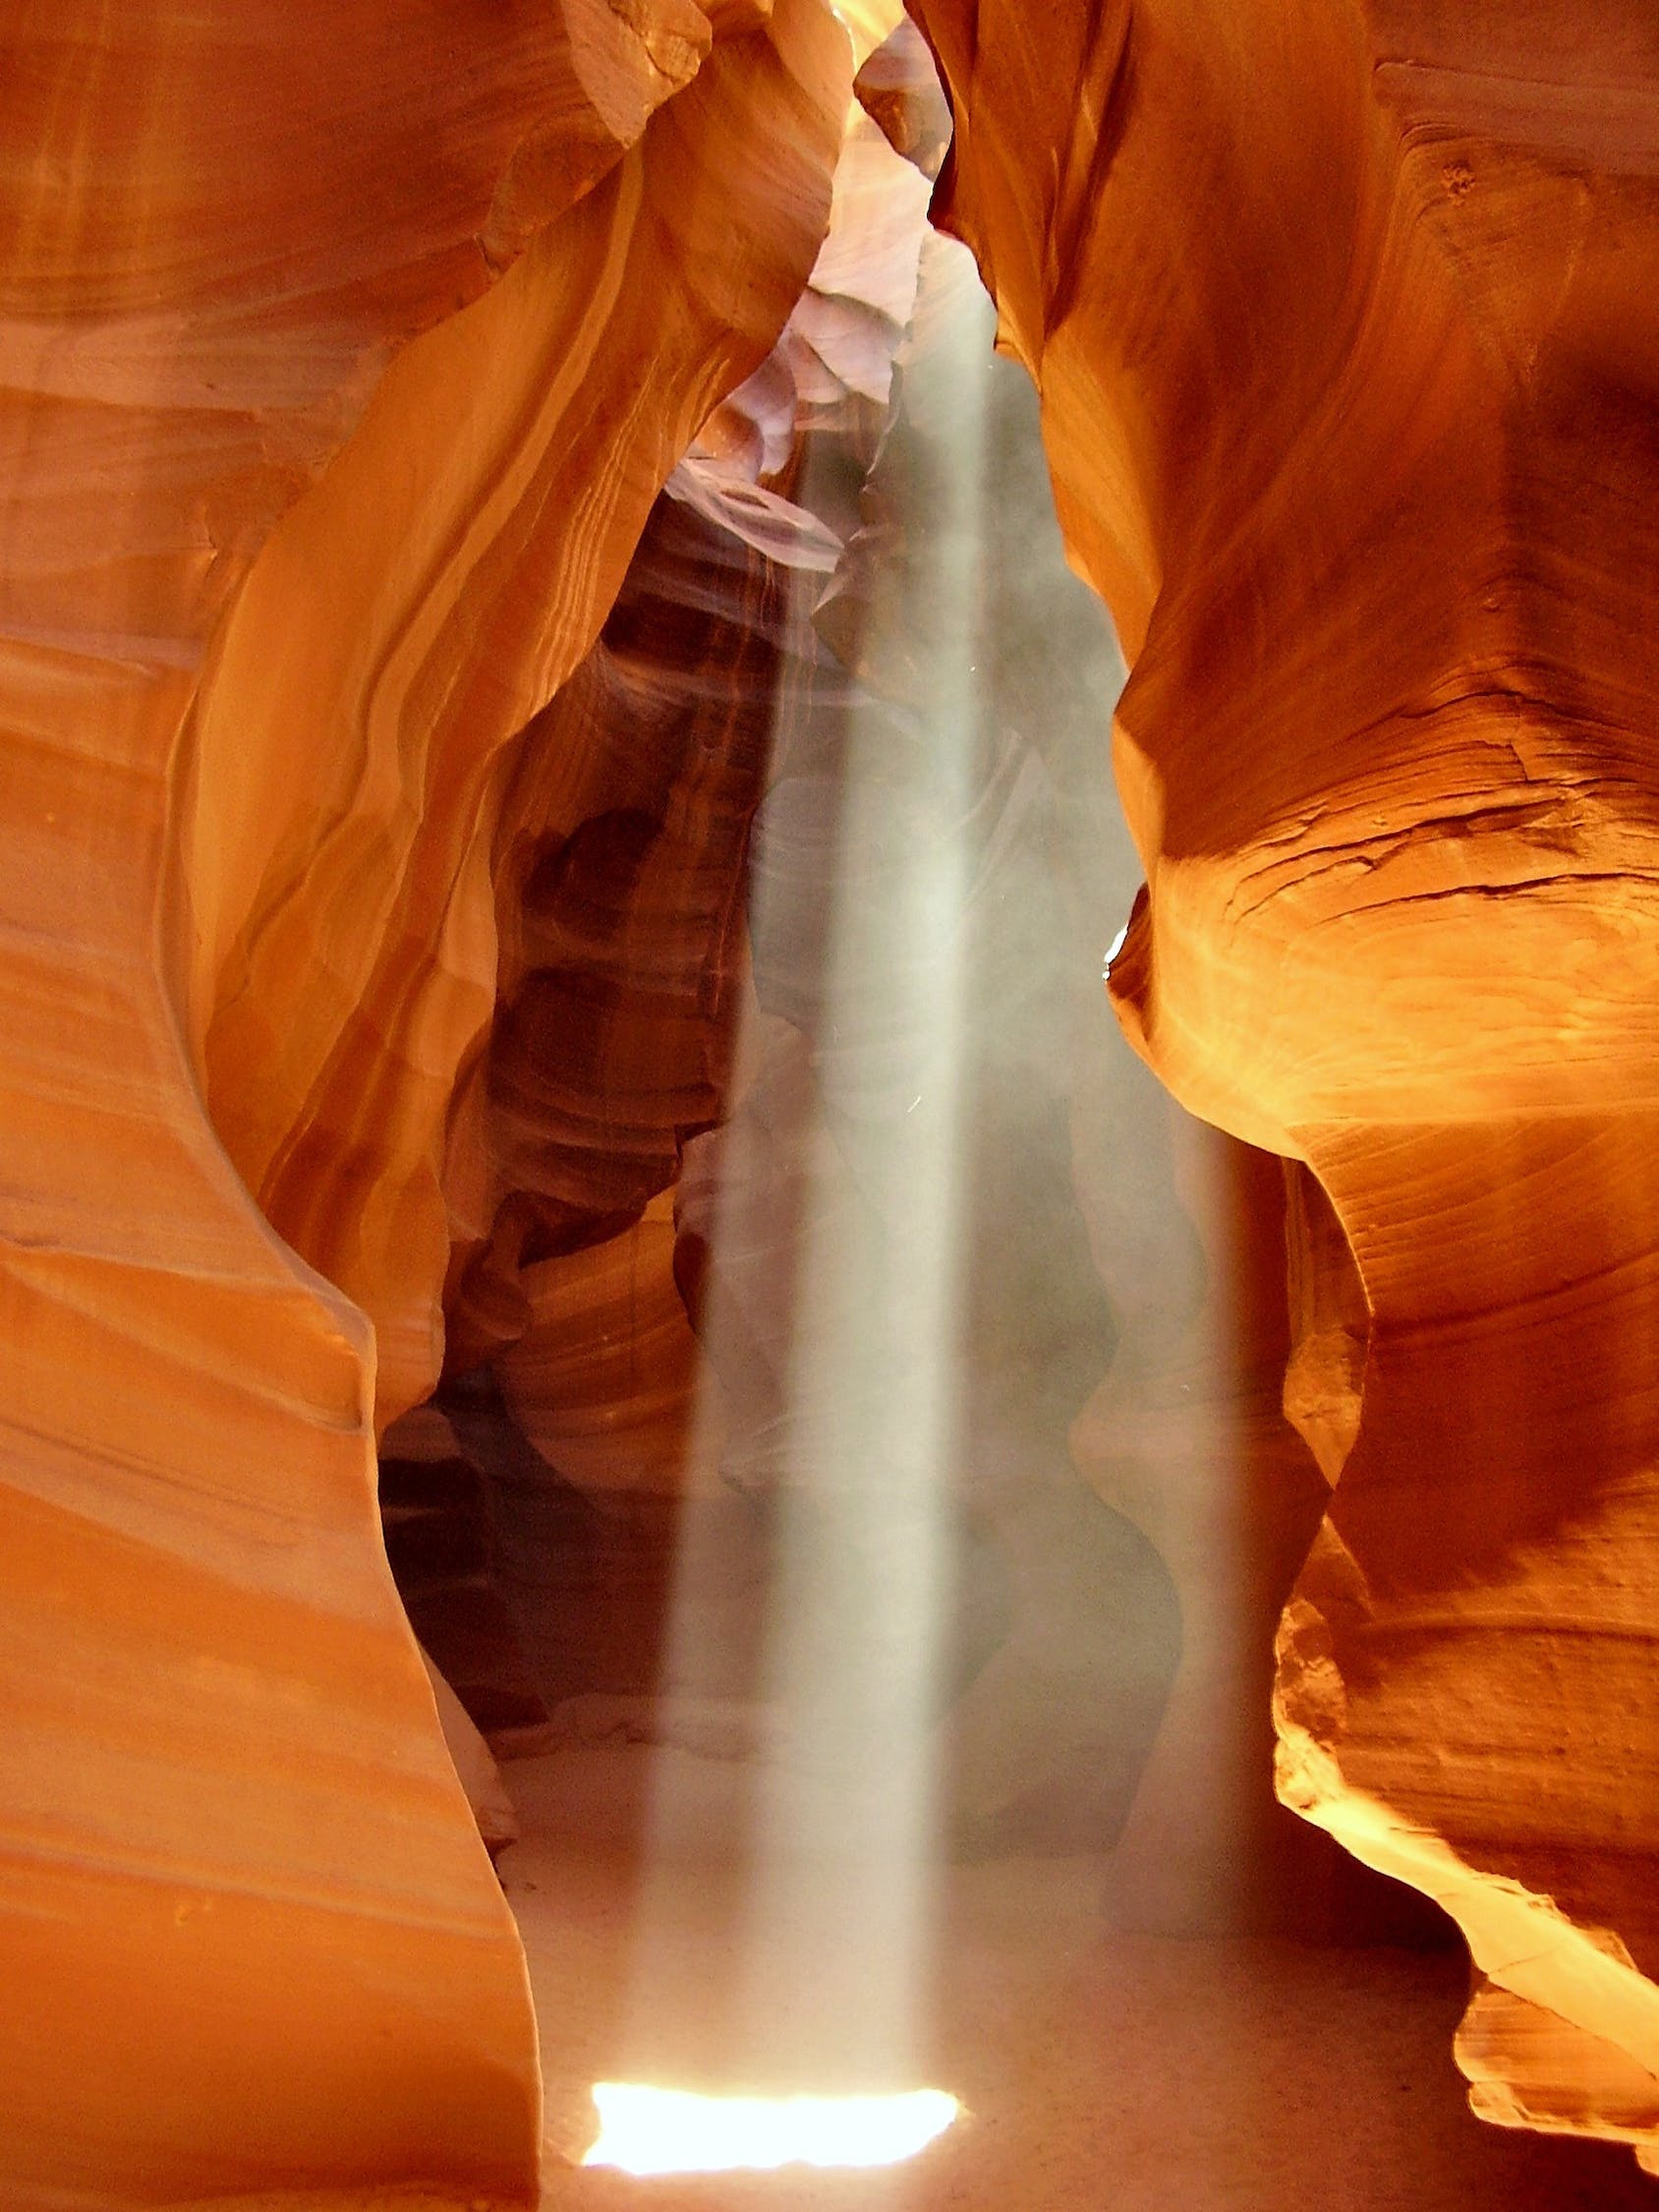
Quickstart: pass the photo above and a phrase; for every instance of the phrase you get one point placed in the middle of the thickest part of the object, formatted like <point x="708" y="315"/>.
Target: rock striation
<point x="344" y="360"/>
<point x="1339" y="317"/>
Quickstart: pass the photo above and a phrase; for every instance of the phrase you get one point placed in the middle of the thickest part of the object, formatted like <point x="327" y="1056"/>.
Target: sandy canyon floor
<point x="1121" y="2073"/>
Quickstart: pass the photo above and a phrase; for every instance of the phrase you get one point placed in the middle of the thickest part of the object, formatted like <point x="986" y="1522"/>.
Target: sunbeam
<point x="853" y="1479"/>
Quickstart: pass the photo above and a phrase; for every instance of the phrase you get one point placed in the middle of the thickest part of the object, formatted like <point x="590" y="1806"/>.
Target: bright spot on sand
<point x="677" y="2131"/>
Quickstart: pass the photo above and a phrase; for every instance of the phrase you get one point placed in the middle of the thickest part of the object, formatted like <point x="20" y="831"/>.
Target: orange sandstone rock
<point x="1341" y="320"/>
<point x="275" y="599"/>
<point x="622" y="975"/>
<point x="344" y="797"/>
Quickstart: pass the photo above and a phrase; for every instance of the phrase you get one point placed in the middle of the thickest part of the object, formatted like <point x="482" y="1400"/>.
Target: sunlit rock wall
<point x="1341" y="317"/>
<point x="346" y="351"/>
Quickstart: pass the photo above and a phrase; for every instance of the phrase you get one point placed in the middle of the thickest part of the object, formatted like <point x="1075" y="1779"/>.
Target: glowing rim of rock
<point x="645" y="2131"/>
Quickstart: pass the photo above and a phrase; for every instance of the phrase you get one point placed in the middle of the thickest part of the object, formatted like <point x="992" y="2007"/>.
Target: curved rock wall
<point x="1339" y="316"/>
<point x="447" y="576"/>
<point x="345" y="353"/>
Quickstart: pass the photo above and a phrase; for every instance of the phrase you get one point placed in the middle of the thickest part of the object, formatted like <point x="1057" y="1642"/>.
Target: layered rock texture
<point x="1340" y="318"/>
<point x="346" y="351"/>
<point x="463" y="593"/>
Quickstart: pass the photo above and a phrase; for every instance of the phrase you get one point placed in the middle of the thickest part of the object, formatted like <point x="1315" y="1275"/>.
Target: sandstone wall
<point x="345" y="350"/>
<point x="1341" y="320"/>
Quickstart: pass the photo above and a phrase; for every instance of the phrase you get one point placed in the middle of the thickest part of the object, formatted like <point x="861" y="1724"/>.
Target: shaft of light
<point x="645" y="2131"/>
<point x="863" y="1529"/>
<point x="829" y="1956"/>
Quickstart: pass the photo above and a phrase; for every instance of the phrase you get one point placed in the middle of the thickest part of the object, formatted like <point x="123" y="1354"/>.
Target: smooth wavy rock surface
<point x="1343" y="319"/>
<point x="345" y="352"/>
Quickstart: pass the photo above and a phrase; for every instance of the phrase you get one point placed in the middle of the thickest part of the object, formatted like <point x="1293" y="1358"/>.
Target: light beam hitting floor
<point x="830" y="1933"/>
<point x="645" y="2130"/>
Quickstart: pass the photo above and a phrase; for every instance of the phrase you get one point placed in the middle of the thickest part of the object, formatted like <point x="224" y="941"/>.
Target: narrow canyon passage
<point x="865" y="1575"/>
<point x="777" y="1321"/>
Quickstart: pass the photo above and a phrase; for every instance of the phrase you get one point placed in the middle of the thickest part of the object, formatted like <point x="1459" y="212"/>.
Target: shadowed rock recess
<point x="516" y="560"/>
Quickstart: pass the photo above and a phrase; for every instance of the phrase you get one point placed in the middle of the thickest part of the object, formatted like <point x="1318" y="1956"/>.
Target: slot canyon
<point x="830" y="1101"/>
